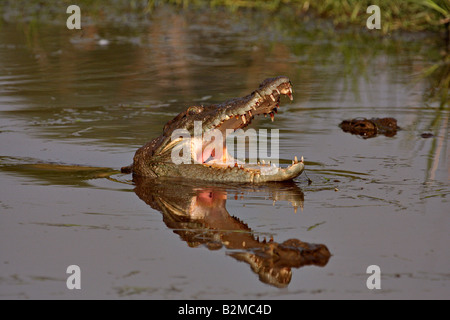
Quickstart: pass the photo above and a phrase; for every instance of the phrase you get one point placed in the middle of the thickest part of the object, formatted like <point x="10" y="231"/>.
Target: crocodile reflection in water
<point x="197" y="213"/>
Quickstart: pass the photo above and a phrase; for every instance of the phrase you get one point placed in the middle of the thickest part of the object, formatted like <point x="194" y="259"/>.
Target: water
<point x="75" y="105"/>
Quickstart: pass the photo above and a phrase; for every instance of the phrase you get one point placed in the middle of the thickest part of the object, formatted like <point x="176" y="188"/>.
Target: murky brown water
<point x="90" y="98"/>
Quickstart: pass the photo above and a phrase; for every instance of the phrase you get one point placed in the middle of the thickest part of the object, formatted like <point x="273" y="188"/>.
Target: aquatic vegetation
<point x="412" y="15"/>
<point x="439" y="76"/>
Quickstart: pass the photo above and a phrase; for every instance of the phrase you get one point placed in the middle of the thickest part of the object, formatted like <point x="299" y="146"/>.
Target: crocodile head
<point x="210" y="160"/>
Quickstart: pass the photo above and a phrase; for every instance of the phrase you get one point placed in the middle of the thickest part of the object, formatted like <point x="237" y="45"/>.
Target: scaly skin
<point x="154" y="159"/>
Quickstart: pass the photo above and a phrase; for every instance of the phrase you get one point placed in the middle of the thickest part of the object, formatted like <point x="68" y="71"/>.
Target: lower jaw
<point x="222" y="174"/>
<point x="224" y="167"/>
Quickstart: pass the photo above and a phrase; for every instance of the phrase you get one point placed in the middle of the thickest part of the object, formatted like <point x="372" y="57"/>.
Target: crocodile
<point x="369" y="128"/>
<point x="154" y="159"/>
<point x="196" y="211"/>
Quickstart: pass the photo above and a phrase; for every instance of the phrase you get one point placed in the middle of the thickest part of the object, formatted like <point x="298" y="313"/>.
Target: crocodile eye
<point x="195" y="109"/>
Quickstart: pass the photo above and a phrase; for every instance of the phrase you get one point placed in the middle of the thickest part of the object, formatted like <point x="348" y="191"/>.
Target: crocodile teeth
<point x="295" y="159"/>
<point x="249" y="113"/>
<point x="244" y="119"/>
<point x="278" y="91"/>
<point x="301" y="160"/>
<point x="272" y="117"/>
<point x="272" y="97"/>
<point x="290" y="94"/>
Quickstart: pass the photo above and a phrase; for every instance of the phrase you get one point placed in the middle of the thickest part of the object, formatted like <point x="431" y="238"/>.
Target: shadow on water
<point x="197" y="213"/>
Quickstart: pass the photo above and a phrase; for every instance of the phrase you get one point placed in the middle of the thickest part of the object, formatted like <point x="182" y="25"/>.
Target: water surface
<point x="75" y="105"/>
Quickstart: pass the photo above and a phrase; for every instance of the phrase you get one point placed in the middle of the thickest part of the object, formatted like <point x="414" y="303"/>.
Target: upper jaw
<point x="238" y="113"/>
<point x="233" y="114"/>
